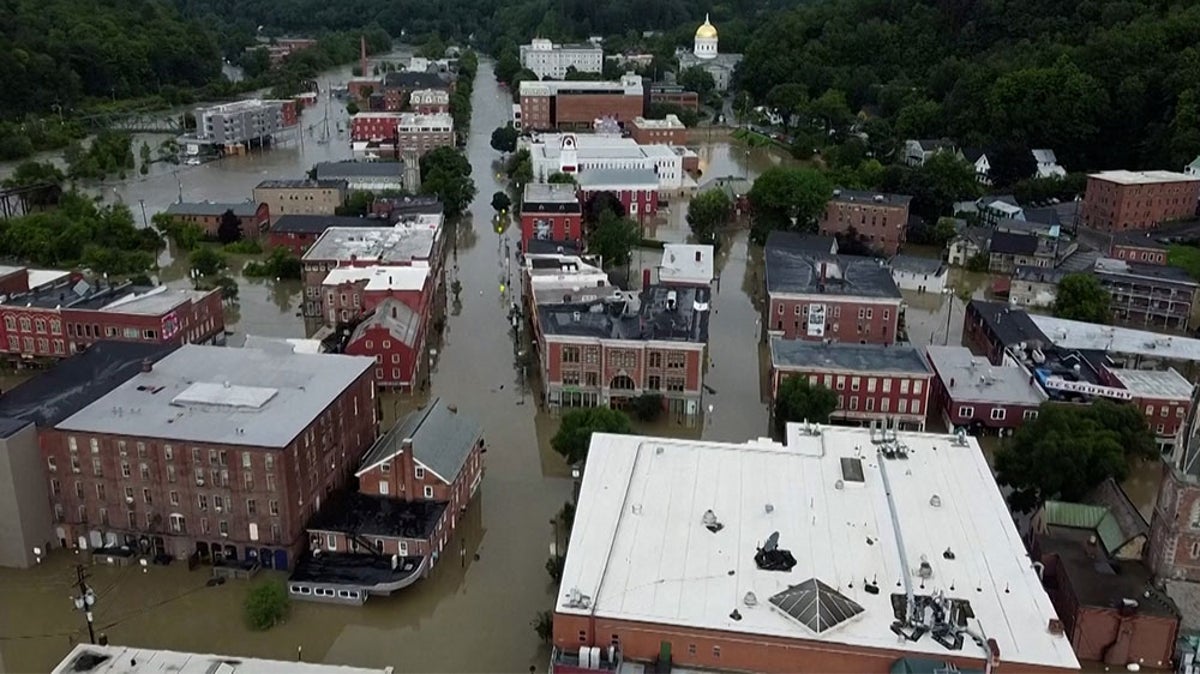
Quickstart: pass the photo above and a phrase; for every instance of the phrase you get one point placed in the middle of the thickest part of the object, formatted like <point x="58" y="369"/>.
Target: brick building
<point x="1120" y="200"/>
<point x="818" y="297"/>
<point x="350" y="293"/>
<point x="222" y="453"/>
<point x="1173" y="551"/>
<point x="666" y="131"/>
<point x="551" y="212"/>
<point x="1137" y="247"/>
<point x="1163" y="396"/>
<point x="309" y="197"/>
<point x="414" y="485"/>
<point x="393" y="333"/>
<point x="207" y="215"/>
<point x="989" y="328"/>
<point x="375" y="126"/>
<point x="673" y="94"/>
<point x="577" y="105"/>
<point x="298" y="232"/>
<point x="429" y="101"/>
<point x="422" y="133"/>
<point x="636" y="189"/>
<point x="879" y="220"/>
<point x="609" y="348"/>
<point x="67" y="315"/>
<point x="396" y="88"/>
<point x="873" y="382"/>
<point x="970" y="392"/>
<point x="803" y="569"/>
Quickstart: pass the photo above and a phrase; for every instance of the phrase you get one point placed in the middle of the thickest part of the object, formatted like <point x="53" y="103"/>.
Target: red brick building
<point x="429" y="101"/>
<point x="222" y="453"/>
<point x="608" y="357"/>
<point x="414" y="485"/>
<point x="578" y="105"/>
<point x="1173" y="551"/>
<point x="297" y="232"/>
<point x="1163" y="396"/>
<point x="670" y="94"/>
<point x="816" y="296"/>
<point x="969" y="392"/>
<point x="666" y="131"/>
<point x="636" y="189"/>
<point x="879" y="220"/>
<point x="207" y="215"/>
<point x="989" y="328"/>
<point x="1121" y="200"/>
<point x="873" y="382"/>
<point x="394" y="335"/>
<point x="375" y="126"/>
<point x="360" y="88"/>
<point x="397" y="88"/>
<point x="66" y="316"/>
<point x="423" y="133"/>
<point x="551" y="212"/>
<point x="1137" y="248"/>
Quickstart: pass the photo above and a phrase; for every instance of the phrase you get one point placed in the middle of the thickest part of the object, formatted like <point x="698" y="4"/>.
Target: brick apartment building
<point x="207" y="215"/>
<point x="1121" y="200"/>
<point x="970" y="392"/>
<point x="879" y="220"/>
<point x="222" y="453"/>
<point x="414" y="485"/>
<point x="306" y="197"/>
<point x="397" y="88"/>
<point x="297" y="232"/>
<point x="611" y="348"/>
<point x="429" y="101"/>
<point x="873" y="382"/>
<point x="1137" y="247"/>
<point x="577" y="105"/>
<point x="989" y="328"/>
<point x="66" y="315"/>
<point x="636" y="188"/>
<point x="374" y="126"/>
<point x="666" y="131"/>
<point x="423" y="133"/>
<point x="393" y="334"/>
<point x="551" y="212"/>
<point x="673" y="94"/>
<point x="816" y="297"/>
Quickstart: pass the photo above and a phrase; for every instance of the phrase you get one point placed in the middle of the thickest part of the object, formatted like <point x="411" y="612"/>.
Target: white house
<point x="1047" y="165"/>
<point x="922" y="274"/>
<point x="917" y="151"/>
<point x="978" y="159"/>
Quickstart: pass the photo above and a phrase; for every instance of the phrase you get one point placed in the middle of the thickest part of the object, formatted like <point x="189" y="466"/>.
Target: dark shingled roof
<point x="243" y="209"/>
<point x="315" y="224"/>
<point x="795" y="270"/>
<point x="1013" y="244"/>
<point x="442" y="440"/>
<point x="78" y="381"/>
<point x="866" y="358"/>
<point x="408" y="80"/>
<point x="1011" y="326"/>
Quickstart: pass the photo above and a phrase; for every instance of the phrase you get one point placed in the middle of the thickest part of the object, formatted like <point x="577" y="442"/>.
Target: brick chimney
<point x="410" y="491"/>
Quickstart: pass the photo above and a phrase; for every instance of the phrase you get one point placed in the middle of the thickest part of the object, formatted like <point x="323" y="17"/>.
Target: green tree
<point x="507" y="66"/>
<point x="358" y="204"/>
<point x="447" y="173"/>
<point x="574" y="434"/>
<point x="501" y="202"/>
<point x="787" y="198"/>
<point x="504" y="138"/>
<point x="1070" y="449"/>
<point x="229" y="229"/>
<point x="279" y="264"/>
<point x="266" y="605"/>
<point x="935" y="185"/>
<point x="1082" y="298"/>
<point x="646" y="407"/>
<point x="831" y="108"/>
<point x="34" y="173"/>
<point x="707" y="213"/>
<point x="613" y="239"/>
<point x="206" y="261"/>
<point x="798" y="400"/>
<point x="560" y="178"/>
<point x="1010" y="163"/>
<point x="920" y="119"/>
<point x="433" y="48"/>
<point x="543" y="625"/>
<point x="352" y="108"/>
<point x="787" y="100"/>
<point x="697" y="79"/>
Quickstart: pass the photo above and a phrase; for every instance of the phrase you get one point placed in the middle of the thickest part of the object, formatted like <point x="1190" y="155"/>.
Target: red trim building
<point x="394" y="335"/>
<point x="551" y="212"/>
<point x="636" y="189"/>
<point x="873" y="382"/>
<point x="969" y="392"/>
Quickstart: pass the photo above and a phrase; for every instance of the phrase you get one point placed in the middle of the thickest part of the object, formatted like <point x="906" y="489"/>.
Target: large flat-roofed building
<point x="366" y="176"/>
<point x="578" y="105"/>
<point x="1148" y="294"/>
<point x="422" y="133"/>
<point x="224" y="453"/>
<point x="1120" y="200"/>
<point x="667" y="131"/>
<point x="873" y="382"/>
<point x="970" y="392"/>
<point x="250" y="122"/>
<point x="817" y="296"/>
<point x="306" y="197"/>
<point x="597" y="347"/>
<point x="878" y="220"/>
<point x="577" y="154"/>
<point x="843" y="551"/>
<point x="207" y="215"/>
<point x="297" y="232"/>
<point x="546" y="59"/>
<point x="92" y="659"/>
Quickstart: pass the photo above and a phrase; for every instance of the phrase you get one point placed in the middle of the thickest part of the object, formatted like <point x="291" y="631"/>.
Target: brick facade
<point x="847" y="319"/>
<point x="1174" y="547"/>
<point x="880" y="220"/>
<point x="863" y="398"/>
<point x="1121" y="200"/>
<point x="591" y="372"/>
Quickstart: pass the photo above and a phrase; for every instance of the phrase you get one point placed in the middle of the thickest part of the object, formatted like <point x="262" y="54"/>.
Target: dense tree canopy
<point x="613" y="238"/>
<point x="707" y="213"/>
<point x="1070" y="449"/>
<point x="80" y="233"/>
<point x="798" y="400"/>
<point x="447" y="173"/>
<point x="575" y="432"/>
<point x="1082" y="298"/>
<point x="787" y="198"/>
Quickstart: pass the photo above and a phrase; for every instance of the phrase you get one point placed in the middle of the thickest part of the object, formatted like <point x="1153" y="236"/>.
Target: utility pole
<point x="145" y="223"/>
<point x="85" y="600"/>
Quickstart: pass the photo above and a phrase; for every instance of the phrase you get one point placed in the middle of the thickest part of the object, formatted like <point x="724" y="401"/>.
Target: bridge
<point x="160" y="121"/>
<point x="17" y="201"/>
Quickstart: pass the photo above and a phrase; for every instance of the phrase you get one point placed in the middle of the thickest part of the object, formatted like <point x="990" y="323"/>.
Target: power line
<point x="155" y="605"/>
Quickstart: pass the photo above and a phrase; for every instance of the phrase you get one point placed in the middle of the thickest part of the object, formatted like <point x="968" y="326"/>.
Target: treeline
<point x="1106" y="84"/>
<point x="80" y="233"/>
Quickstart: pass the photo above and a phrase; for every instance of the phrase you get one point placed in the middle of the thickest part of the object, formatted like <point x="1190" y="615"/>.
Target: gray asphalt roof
<point x="243" y="209"/>
<point x="442" y="440"/>
<point x="396" y="317"/>
<point x="218" y="395"/>
<point x="797" y="271"/>
<point x="1009" y="324"/>
<point x="1013" y="244"/>
<point x="859" y="197"/>
<point x="381" y="243"/>
<point x="355" y="169"/>
<point x="916" y="264"/>
<point x="866" y="358"/>
<point x="645" y="318"/>
<point x="315" y="224"/>
<point x="972" y="379"/>
<point x="1038" y="274"/>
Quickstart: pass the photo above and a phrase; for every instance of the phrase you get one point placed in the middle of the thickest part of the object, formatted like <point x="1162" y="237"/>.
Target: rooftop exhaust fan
<point x="710" y="521"/>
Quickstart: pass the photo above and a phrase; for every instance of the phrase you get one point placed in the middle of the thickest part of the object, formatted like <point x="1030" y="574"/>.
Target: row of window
<point x="626" y="358"/>
<point x="864" y="313"/>
<point x="996" y="414"/>
<point x="176" y="523"/>
<point x="219" y="502"/>
<point x="885" y="405"/>
<point x="38" y="325"/>
<point x="885" y="383"/>
<point x="1165" y="411"/>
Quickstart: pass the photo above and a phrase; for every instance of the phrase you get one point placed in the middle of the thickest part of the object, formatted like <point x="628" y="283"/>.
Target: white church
<point x="704" y="54"/>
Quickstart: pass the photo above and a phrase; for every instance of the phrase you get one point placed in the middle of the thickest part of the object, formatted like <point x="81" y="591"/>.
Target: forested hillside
<point x="59" y="52"/>
<point x="1107" y="83"/>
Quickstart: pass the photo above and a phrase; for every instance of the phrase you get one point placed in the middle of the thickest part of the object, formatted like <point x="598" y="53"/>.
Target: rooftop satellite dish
<point x="772" y="542"/>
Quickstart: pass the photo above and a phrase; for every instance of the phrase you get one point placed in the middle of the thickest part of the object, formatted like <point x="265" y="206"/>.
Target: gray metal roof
<point x="242" y="209"/>
<point x="334" y="170"/>
<point x="618" y="176"/>
<point x="442" y="440"/>
<point x="916" y="264"/>
<point x="865" y="358"/>
<point x="396" y="317"/>
<point x="643" y="317"/>
<point x="972" y="379"/>
<point x="381" y="243"/>
<point x="212" y="394"/>
<point x="796" y="270"/>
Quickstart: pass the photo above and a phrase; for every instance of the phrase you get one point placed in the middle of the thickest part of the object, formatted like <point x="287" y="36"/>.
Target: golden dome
<point x="706" y="30"/>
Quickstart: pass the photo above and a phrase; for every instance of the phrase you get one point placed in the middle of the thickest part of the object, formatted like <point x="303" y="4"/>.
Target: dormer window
<point x="385" y="467"/>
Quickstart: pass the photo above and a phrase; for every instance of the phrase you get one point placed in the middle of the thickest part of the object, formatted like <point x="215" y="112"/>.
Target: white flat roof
<point x="154" y="302"/>
<point x="973" y="379"/>
<point x="1070" y="334"/>
<point x="43" y="277"/>
<point x="1165" y="384"/>
<point x="128" y="660"/>
<point x="384" y="244"/>
<point x="639" y="549"/>
<point x="380" y="278"/>
<point x="686" y="263"/>
<point x="1144" y="177"/>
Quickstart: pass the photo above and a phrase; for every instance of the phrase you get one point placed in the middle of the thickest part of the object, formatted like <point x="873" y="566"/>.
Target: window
<point x="1149" y="410"/>
<point x="204" y="525"/>
<point x="51" y="464"/>
<point x="903" y="406"/>
<point x="1195" y="550"/>
<point x="570" y="354"/>
<point x="420" y="473"/>
<point x="917" y="385"/>
<point x="1029" y="415"/>
<point x="841" y="383"/>
<point x="716" y="651"/>
<point x="854" y="383"/>
<point x="1179" y="412"/>
<point x="75" y="464"/>
<point x="177" y="524"/>
<point x="676" y="360"/>
<point x="95" y="445"/>
<point x="269" y="462"/>
<point x="218" y="502"/>
<point x="887" y="385"/>
<point x="251" y="507"/>
<point x="100" y="492"/>
<point x="428" y="492"/>
<point x="331" y="541"/>
<point x="146" y="496"/>
<point x="246" y="460"/>
<point x="25" y="323"/>
<point x="904" y="386"/>
<point x="998" y="413"/>
<point x="129" y="494"/>
<point x="273" y="507"/>
<point x="853" y="402"/>
<point x="966" y="412"/>
<point x="1159" y="429"/>
<point x="270" y="482"/>
<point x="201" y="502"/>
<point x="131" y="517"/>
<point x="104" y="516"/>
<point x="144" y="470"/>
<point x="1164" y="411"/>
<point x="916" y="407"/>
<point x="10" y="323"/>
<point x="223" y="527"/>
<point x="885" y="405"/>
<point x="195" y="455"/>
<point x="97" y="469"/>
<point x="871" y="385"/>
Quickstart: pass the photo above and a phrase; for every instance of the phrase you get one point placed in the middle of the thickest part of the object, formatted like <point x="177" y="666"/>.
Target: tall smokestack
<point x="362" y="48"/>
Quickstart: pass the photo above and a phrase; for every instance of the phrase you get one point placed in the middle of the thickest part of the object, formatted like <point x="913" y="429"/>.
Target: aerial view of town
<point x="386" y="336"/>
